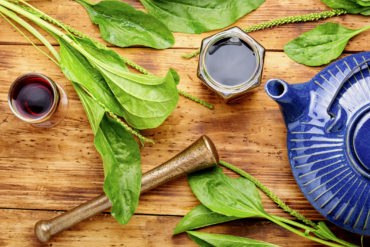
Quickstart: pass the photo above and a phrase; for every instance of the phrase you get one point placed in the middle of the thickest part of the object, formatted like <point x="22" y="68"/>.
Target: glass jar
<point x="231" y="63"/>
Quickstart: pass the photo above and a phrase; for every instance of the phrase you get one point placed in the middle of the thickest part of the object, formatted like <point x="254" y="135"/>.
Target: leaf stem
<point x="285" y="20"/>
<point x="293" y="223"/>
<point x="269" y="193"/>
<point x="32" y="30"/>
<point x="289" y="228"/>
<point x="48" y="27"/>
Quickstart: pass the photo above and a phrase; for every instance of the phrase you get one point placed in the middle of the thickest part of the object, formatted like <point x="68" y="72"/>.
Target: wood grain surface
<point x="43" y="170"/>
<point x="142" y="230"/>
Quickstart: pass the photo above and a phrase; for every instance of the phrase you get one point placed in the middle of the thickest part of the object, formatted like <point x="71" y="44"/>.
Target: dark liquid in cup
<point x="33" y="97"/>
<point x="230" y="61"/>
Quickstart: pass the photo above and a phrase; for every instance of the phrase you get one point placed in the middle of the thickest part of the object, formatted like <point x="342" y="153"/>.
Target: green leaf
<point x="219" y="240"/>
<point x="352" y="6"/>
<point x="94" y="111"/>
<point x="123" y="180"/>
<point x="175" y="76"/>
<point x="122" y="25"/>
<point x="201" y="216"/>
<point x="121" y="159"/>
<point x="146" y="106"/>
<point x="224" y="195"/>
<point x="146" y="100"/>
<point x="78" y="69"/>
<point x="365" y="3"/>
<point x="198" y="16"/>
<point x="321" y="45"/>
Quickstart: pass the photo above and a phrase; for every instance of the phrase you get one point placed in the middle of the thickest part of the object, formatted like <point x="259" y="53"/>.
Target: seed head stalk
<point x="285" y="20"/>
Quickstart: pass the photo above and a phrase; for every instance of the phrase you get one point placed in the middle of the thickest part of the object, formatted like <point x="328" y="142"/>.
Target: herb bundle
<point x="108" y="92"/>
<point x="225" y="199"/>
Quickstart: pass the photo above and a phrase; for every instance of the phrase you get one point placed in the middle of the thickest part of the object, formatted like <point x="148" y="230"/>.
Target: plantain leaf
<point x="365" y="3"/>
<point x="145" y="100"/>
<point x="122" y="25"/>
<point x="78" y="69"/>
<point x="224" y="195"/>
<point x="352" y="6"/>
<point x="201" y="216"/>
<point x="198" y="16"/>
<point x="123" y="171"/>
<point x="321" y="45"/>
<point x="219" y="240"/>
<point x="94" y="111"/>
<point x="121" y="159"/>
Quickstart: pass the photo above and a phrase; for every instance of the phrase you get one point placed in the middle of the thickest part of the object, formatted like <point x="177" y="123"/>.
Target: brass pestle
<point x="200" y="155"/>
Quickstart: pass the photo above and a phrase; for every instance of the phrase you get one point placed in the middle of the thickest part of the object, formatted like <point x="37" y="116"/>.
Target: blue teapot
<point x="328" y="139"/>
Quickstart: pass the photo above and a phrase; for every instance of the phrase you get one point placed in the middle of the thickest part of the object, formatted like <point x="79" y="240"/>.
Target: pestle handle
<point x="200" y="155"/>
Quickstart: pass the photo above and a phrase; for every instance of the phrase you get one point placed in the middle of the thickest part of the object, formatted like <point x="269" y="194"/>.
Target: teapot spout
<point x="292" y="99"/>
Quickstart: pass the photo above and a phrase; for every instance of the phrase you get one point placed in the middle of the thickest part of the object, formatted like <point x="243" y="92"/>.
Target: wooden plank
<point x="59" y="168"/>
<point x="146" y="231"/>
<point x="274" y="39"/>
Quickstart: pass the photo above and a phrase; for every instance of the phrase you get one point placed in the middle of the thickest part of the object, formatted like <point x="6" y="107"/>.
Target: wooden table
<point x="44" y="172"/>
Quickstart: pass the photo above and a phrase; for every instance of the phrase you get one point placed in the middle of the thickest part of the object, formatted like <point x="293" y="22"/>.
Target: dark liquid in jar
<point x="32" y="97"/>
<point x="230" y="61"/>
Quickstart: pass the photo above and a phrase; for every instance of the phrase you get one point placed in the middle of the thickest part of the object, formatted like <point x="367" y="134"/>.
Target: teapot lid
<point x="329" y="146"/>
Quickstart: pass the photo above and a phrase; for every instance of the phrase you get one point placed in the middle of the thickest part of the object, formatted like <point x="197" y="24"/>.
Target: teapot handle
<point x="355" y="69"/>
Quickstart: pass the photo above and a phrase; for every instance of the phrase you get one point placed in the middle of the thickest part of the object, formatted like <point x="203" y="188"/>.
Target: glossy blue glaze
<point x="330" y="155"/>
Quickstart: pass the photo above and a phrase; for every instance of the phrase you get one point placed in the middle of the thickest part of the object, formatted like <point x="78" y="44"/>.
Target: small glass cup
<point x="38" y="100"/>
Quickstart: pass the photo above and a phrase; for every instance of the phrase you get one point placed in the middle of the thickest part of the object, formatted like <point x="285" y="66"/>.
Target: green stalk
<point x="310" y="229"/>
<point x="289" y="228"/>
<point x="26" y="37"/>
<point x="33" y="31"/>
<point x="285" y="20"/>
<point x="294" y="223"/>
<point x="45" y="25"/>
